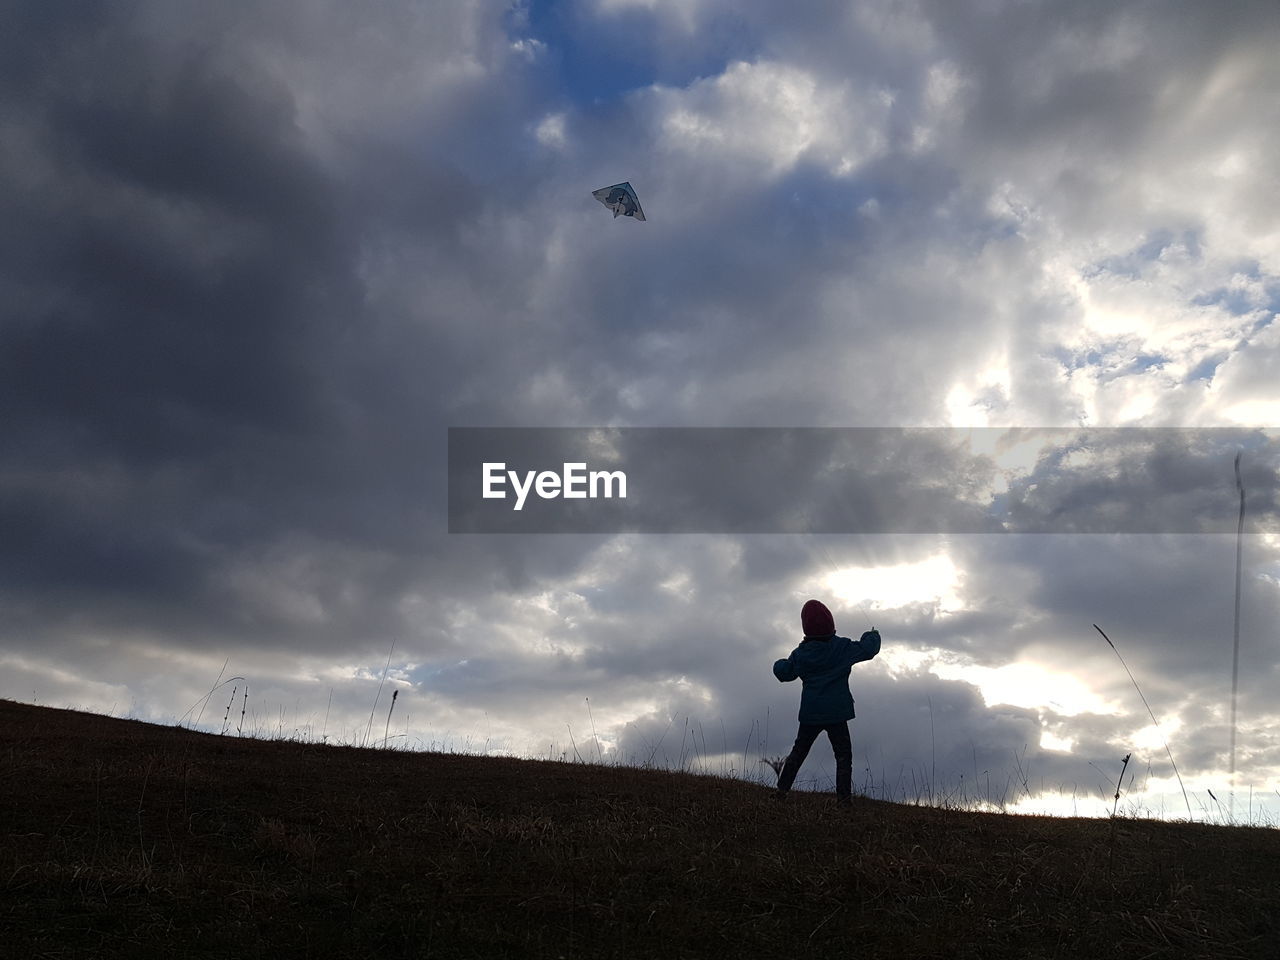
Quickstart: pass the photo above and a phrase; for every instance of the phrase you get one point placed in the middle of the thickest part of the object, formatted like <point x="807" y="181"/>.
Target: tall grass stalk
<point x="204" y="701"/>
<point x="226" y="719"/>
<point x="724" y="740"/>
<point x="764" y="746"/>
<point x="599" y="757"/>
<point x="1235" y="645"/>
<point x="933" y="753"/>
<point x="387" y="732"/>
<point x="1120" y="779"/>
<point x="215" y="686"/>
<point x="378" y="695"/>
<point x="654" y="751"/>
<point x="1114" y="649"/>
<point x="1111" y="840"/>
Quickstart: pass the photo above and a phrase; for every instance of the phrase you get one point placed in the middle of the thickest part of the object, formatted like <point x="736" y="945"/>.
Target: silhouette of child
<point x="822" y="662"/>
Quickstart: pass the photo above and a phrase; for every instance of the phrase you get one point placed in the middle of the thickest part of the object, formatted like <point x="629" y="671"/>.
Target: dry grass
<point x="123" y="839"/>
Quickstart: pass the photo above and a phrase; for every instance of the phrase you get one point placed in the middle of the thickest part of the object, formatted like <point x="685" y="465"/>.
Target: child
<point x="822" y="662"/>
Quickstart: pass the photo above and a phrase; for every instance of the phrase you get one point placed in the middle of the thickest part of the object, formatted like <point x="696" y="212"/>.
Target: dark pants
<point x="838" y="734"/>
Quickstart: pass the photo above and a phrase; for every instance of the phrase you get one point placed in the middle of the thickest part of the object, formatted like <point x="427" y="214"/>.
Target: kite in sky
<point x="621" y="199"/>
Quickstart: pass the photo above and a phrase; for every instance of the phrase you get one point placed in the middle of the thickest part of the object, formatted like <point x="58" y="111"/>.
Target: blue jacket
<point x="823" y="663"/>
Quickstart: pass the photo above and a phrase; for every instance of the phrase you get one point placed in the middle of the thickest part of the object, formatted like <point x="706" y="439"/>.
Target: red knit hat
<point x="817" y="620"/>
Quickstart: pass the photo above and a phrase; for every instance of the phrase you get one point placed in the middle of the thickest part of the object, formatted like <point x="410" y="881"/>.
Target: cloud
<point x="762" y="119"/>
<point x="257" y="258"/>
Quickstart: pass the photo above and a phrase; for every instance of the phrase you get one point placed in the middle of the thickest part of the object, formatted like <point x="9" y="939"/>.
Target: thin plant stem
<point x="226" y="719"/>
<point x="933" y="753"/>
<point x="387" y="732"/>
<point x="204" y="701"/>
<point x="1151" y="714"/>
<point x="593" y="731"/>
<point x="1123" y="765"/>
<point x="378" y="695"/>
<point x="1235" y="646"/>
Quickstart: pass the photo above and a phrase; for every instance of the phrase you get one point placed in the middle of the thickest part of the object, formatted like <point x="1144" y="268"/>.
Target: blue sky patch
<point x="1134" y="263"/>
<point x="1206" y="368"/>
<point x="600" y="58"/>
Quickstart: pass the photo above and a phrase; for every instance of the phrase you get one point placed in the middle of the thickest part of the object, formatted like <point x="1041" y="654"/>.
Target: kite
<point x="621" y="199"/>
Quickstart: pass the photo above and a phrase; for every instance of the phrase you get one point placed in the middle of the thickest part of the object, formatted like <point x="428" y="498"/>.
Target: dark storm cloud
<point x="1145" y="481"/>
<point x="1167" y="602"/>
<point x="209" y="427"/>
<point x="174" y="246"/>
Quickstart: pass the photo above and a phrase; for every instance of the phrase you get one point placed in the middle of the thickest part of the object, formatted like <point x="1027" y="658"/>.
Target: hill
<point x="126" y="839"/>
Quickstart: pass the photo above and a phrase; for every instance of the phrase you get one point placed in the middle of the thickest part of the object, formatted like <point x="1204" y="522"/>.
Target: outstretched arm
<point x="866" y="648"/>
<point x="784" y="670"/>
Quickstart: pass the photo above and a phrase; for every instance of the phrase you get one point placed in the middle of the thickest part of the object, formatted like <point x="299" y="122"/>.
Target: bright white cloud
<point x="1028" y="685"/>
<point x="550" y="130"/>
<point x="759" y="120"/>
<point x="935" y="580"/>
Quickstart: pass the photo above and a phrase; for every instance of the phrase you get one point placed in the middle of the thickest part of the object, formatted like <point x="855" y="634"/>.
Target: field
<point x="125" y="839"/>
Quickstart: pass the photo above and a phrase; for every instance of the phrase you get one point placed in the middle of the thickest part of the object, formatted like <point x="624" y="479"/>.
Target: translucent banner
<point x="860" y="480"/>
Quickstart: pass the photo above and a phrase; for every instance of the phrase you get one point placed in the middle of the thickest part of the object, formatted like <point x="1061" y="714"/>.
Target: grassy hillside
<point x="124" y="839"/>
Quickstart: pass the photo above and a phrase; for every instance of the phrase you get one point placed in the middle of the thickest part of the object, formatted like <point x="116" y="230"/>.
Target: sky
<point x="259" y="258"/>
